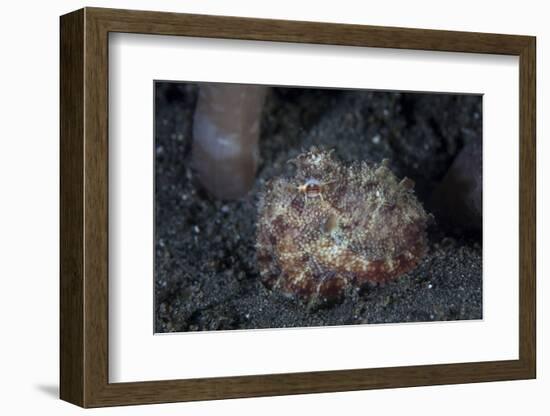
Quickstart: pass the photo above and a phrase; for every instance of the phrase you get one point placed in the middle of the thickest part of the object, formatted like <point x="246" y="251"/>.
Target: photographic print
<point x="282" y="207"/>
<point x="341" y="211"/>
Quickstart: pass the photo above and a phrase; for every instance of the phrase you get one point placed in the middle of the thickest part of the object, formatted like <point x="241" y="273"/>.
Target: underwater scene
<point x="279" y="207"/>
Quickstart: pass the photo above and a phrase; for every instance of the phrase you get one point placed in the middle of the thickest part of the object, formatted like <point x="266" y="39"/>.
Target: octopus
<point x="330" y="228"/>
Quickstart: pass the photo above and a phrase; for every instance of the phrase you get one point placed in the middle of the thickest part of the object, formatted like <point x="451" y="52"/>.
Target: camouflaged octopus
<point x="331" y="228"/>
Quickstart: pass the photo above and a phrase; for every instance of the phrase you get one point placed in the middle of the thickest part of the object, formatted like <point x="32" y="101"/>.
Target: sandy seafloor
<point x="206" y="277"/>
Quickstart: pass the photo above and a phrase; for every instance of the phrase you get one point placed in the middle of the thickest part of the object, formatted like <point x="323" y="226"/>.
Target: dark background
<point x="205" y="272"/>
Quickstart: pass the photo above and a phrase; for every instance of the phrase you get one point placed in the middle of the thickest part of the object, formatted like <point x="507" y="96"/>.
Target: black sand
<point x="205" y="272"/>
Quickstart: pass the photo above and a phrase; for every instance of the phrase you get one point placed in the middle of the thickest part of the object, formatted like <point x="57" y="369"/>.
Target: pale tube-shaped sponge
<point x="226" y="129"/>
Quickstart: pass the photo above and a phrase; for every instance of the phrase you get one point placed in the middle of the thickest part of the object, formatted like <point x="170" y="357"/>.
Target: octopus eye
<point x="313" y="188"/>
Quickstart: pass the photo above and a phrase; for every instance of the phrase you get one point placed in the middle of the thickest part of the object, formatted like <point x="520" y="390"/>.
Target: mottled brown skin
<point x="330" y="228"/>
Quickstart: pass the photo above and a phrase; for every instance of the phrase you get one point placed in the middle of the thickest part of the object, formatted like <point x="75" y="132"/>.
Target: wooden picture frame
<point x="84" y="207"/>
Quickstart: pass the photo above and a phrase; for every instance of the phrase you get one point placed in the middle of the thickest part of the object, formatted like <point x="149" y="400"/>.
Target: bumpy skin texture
<point x="331" y="228"/>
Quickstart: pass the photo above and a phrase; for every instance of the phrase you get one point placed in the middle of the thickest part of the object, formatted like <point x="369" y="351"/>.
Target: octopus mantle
<point x="330" y="228"/>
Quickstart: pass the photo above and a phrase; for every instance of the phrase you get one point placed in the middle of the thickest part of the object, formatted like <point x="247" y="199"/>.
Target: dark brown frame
<point x="84" y="209"/>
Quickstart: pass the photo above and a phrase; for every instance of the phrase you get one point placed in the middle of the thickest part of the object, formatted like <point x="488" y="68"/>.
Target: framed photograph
<point x="255" y="207"/>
